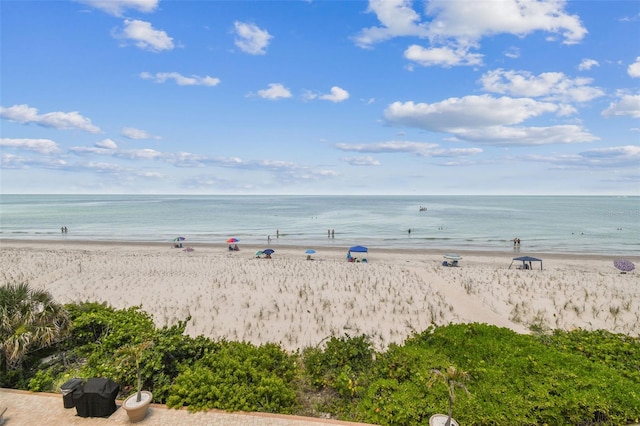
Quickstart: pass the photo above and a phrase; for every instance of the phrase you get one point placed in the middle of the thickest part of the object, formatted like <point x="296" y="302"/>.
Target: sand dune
<point x="298" y="303"/>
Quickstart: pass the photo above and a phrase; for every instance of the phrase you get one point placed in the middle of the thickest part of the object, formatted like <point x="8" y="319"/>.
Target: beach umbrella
<point x="233" y="240"/>
<point x="624" y="265"/>
<point x="358" y="249"/>
<point x="179" y="239"/>
<point x="310" y="251"/>
<point x="268" y="251"/>
<point x="452" y="256"/>
<point x="259" y="253"/>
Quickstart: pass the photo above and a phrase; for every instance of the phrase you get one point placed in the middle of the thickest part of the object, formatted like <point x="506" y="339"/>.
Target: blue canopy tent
<point x="361" y="252"/>
<point x="526" y="262"/>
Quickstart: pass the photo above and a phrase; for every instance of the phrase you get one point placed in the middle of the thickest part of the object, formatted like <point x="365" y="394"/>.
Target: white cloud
<point x="586" y="64"/>
<point x="628" y="105"/>
<point x="397" y="18"/>
<point x="41" y="146"/>
<point x="251" y="39"/>
<point x="548" y="85"/>
<point x="443" y="56"/>
<point x="9" y="161"/>
<point x="145" y="36"/>
<point x="420" y="149"/>
<point x="275" y="91"/>
<point x="472" y="20"/>
<point x="180" y="80"/>
<point x="455" y="152"/>
<point x="615" y="157"/>
<point x="469" y="111"/>
<point x="93" y="150"/>
<point x="337" y="95"/>
<point x="136" y="134"/>
<point x="512" y="52"/>
<point x="141" y="154"/>
<point x="488" y="120"/>
<point x="417" y="148"/>
<point x="455" y="27"/>
<point x="525" y="136"/>
<point x="99" y="167"/>
<point x="626" y="152"/>
<point x="117" y="7"/>
<point x="104" y="147"/>
<point x="361" y="161"/>
<point x="634" y="69"/>
<point x="25" y="114"/>
<point x="107" y="144"/>
<point x="186" y="159"/>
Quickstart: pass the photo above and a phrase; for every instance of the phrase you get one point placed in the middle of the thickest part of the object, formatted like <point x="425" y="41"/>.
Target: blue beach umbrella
<point x="358" y="249"/>
<point x="310" y="251"/>
<point x="268" y="251"/>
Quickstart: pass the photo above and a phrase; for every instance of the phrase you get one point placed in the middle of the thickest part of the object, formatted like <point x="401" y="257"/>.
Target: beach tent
<point x="361" y="253"/>
<point x="452" y="259"/>
<point x="526" y="262"/>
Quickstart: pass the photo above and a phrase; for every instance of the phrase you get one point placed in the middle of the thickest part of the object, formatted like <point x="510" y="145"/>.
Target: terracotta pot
<point x="137" y="410"/>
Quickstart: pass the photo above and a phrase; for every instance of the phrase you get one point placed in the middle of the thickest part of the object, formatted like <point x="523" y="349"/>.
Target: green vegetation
<point x="240" y="377"/>
<point x="561" y="378"/>
<point x="29" y="320"/>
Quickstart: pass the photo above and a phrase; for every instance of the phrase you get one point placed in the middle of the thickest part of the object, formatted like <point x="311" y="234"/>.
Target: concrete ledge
<point x="38" y="409"/>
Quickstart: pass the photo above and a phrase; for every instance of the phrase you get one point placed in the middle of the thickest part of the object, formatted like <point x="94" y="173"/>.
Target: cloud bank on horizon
<point x="319" y="97"/>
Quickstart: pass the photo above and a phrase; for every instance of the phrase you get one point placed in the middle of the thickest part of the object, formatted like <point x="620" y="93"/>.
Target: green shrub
<point x="341" y="365"/>
<point x="43" y="381"/>
<point x="619" y="351"/>
<point x="238" y="376"/>
<point x="516" y="379"/>
<point x="399" y="392"/>
<point x="563" y="378"/>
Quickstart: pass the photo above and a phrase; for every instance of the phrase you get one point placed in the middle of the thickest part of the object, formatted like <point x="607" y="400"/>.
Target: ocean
<point x="544" y="224"/>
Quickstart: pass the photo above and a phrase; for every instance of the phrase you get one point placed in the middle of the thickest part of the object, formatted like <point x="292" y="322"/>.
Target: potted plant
<point x="137" y="404"/>
<point x="453" y="378"/>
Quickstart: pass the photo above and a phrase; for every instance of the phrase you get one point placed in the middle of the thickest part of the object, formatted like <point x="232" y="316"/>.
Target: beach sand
<point x="300" y="303"/>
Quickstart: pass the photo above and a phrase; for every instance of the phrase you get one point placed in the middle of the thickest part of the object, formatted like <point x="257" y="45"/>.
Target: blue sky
<point x="320" y="97"/>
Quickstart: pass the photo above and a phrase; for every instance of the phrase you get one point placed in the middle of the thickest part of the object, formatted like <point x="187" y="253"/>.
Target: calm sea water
<point x="551" y="224"/>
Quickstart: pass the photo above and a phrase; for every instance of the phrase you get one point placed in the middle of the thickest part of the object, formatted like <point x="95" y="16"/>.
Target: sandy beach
<point x="299" y="303"/>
